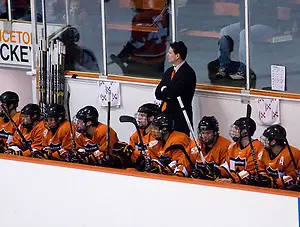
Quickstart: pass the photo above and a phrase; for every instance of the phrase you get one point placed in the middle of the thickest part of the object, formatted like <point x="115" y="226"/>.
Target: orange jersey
<point x="60" y="142"/>
<point x="88" y="149"/>
<point x="134" y="138"/>
<point x="96" y="147"/>
<point x="99" y="137"/>
<point x="179" y="162"/>
<point x="216" y="154"/>
<point x="281" y="168"/>
<point x="134" y="141"/>
<point x="33" y="139"/>
<point x="7" y="130"/>
<point x="239" y="159"/>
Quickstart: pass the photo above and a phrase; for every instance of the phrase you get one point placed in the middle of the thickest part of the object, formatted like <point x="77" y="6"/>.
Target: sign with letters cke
<point x="16" y="43"/>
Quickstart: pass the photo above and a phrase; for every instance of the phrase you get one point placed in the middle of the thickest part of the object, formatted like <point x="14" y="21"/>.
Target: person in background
<point x="178" y="80"/>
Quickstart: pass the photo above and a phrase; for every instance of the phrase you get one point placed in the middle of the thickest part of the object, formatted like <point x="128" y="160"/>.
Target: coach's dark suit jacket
<point x="183" y="84"/>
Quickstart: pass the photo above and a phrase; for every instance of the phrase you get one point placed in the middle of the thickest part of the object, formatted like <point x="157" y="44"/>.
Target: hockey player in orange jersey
<point x="213" y="147"/>
<point x="144" y="117"/>
<point x="240" y="164"/>
<point x="8" y="100"/>
<point x="167" y="153"/>
<point x="91" y="137"/>
<point x="276" y="161"/>
<point x="57" y="139"/>
<point x="32" y="129"/>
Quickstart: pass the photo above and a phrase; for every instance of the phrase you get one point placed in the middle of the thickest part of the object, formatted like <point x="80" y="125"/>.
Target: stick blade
<point x="125" y="118"/>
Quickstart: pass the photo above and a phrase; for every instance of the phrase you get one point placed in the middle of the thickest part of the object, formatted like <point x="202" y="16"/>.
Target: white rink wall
<point x="16" y="80"/>
<point x="225" y="107"/>
<point x="35" y="195"/>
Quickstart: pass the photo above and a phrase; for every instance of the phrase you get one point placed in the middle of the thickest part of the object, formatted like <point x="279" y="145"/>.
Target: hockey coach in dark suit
<point x="179" y="80"/>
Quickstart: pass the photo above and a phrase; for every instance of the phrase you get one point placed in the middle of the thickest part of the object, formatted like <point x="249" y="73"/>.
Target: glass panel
<point x="55" y="11"/>
<point x="84" y="48"/>
<point x="20" y="10"/>
<point x="137" y="33"/>
<point x="275" y="40"/>
<point x="200" y="24"/>
<point x="3" y="10"/>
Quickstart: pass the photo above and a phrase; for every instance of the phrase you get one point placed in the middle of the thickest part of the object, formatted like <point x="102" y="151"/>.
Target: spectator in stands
<point x="3" y="10"/>
<point x="263" y="15"/>
<point x="145" y="53"/>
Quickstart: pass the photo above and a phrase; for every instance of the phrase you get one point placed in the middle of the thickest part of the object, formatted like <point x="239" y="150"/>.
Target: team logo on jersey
<point x="4" y="134"/>
<point x="194" y="150"/>
<point x="273" y="172"/>
<point x="91" y="147"/>
<point x="54" y="147"/>
<point x="152" y="143"/>
<point x="238" y="163"/>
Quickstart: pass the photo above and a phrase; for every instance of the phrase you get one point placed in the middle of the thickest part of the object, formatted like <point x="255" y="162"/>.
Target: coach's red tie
<point x="164" y="105"/>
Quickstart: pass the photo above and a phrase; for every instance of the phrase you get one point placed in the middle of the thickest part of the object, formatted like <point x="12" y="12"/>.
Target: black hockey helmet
<point x="9" y="97"/>
<point x="275" y="132"/>
<point x="241" y="127"/>
<point x="56" y="111"/>
<point x="161" y="125"/>
<point x="146" y="114"/>
<point x="32" y="110"/>
<point x="150" y="109"/>
<point x="163" y="121"/>
<point x="208" y="123"/>
<point x="88" y="113"/>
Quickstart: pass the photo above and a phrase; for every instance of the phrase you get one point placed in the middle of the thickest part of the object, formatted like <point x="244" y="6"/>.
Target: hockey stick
<point x="125" y="118"/>
<point x="70" y="124"/>
<point x="24" y="141"/>
<point x="108" y="123"/>
<point x="293" y="159"/>
<point x="248" y="115"/>
<point x="182" y="149"/>
<point x="191" y="129"/>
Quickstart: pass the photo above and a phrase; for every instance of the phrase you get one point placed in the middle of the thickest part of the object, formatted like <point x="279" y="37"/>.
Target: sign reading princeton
<point x="16" y="42"/>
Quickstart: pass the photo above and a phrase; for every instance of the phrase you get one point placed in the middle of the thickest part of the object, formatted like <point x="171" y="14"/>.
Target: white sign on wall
<point x="278" y="77"/>
<point x="16" y="42"/>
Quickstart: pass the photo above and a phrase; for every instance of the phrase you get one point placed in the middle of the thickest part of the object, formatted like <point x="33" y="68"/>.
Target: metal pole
<point x="67" y="12"/>
<point x="44" y="22"/>
<point x="9" y="10"/>
<point x="173" y="22"/>
<point x="247" y="45"/>
<point x="34" y="35"/>
<point x="104" y="51"/>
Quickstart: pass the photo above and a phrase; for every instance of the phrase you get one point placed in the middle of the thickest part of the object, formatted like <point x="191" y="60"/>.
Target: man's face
<point x="142" y="119"/>
<point x="235" y="133"/>
<point x="156" y="133"/>
<point x="1" y="109"/>
<point x="52" y="122"/>
<point x="172" y="57"/>
<point x="80" y="126"/>
<point x="207" y="136"/>
<point x="26" y="119"/>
